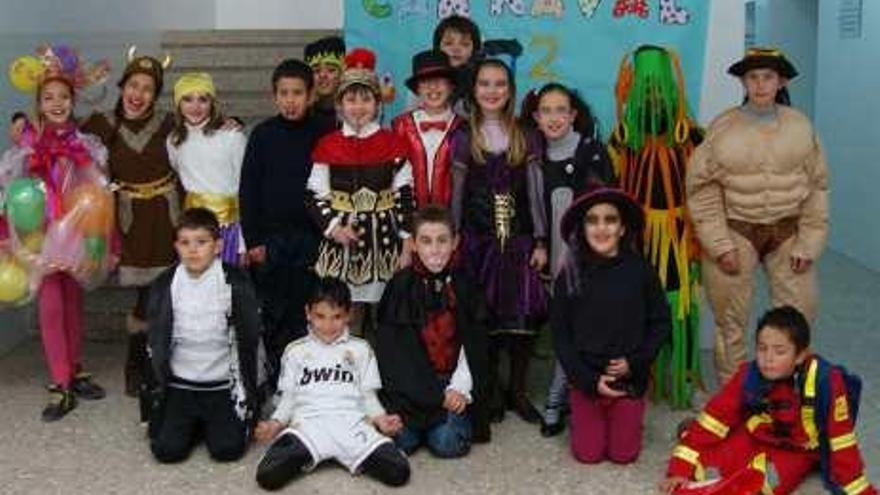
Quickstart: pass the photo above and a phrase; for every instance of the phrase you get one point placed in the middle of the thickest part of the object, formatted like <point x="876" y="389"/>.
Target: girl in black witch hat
<point x="609" y="317"/>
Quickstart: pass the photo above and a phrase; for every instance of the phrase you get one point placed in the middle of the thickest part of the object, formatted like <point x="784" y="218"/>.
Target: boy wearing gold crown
<point x="361" y="187"/>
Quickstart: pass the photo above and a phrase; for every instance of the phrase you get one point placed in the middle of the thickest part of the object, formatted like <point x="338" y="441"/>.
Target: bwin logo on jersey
<point x="317" y="375"/>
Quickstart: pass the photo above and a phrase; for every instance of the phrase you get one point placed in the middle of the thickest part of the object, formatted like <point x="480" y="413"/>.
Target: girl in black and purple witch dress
<point x="499" y="209"/>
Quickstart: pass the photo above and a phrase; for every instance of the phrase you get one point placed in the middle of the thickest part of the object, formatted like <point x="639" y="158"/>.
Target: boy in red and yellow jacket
<point x="777" y="419"/>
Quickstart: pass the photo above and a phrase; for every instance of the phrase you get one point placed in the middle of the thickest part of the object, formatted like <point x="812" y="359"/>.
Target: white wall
<point x="53" y="16"/>
<point x="847" y="106"/>
<point x="279" y="14"/>
<point x="724" y="45"/>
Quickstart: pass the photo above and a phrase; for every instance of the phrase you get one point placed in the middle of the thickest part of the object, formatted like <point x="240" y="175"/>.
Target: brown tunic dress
<point x="148" y="198"/>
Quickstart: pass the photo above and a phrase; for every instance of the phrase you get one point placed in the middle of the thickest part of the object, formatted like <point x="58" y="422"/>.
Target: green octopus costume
<point x="652" y="141"/>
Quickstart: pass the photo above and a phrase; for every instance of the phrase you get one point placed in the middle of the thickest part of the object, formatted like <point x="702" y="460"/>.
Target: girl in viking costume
<point x="134" y="133"/>
<point x="650" y="146"/>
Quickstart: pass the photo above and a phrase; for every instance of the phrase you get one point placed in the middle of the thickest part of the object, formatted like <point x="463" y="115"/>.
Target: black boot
<point x="552" y="428"/>
<point x="496" y="396"/>
<point x="134" y="363"/>
<point x="517" y="399"/>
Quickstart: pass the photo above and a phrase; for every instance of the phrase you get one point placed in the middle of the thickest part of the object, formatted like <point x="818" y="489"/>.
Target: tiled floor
<point x="101" y="449"/>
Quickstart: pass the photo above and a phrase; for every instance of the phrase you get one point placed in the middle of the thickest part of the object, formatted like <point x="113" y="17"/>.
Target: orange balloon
<point x="93" y="207"/>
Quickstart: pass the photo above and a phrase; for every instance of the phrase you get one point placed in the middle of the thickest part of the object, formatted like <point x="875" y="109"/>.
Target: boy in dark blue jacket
<point x="280" y="239"/>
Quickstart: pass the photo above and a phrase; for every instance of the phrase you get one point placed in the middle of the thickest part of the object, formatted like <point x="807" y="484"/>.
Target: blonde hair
<point x="516" y="151"/>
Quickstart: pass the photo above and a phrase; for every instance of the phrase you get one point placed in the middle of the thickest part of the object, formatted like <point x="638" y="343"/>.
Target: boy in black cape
<point x="432" y="345"/>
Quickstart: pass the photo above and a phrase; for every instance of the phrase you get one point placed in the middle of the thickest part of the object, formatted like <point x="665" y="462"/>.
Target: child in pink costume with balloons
<point x="54" y="183"/>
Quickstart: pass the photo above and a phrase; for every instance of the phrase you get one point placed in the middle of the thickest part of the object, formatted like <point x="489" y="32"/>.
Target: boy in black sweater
<point x="281" y="241"/>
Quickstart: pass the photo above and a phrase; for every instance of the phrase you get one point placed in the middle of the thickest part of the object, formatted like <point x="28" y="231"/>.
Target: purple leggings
<point x="603" y="428"/>
<point x="60" y="312"/>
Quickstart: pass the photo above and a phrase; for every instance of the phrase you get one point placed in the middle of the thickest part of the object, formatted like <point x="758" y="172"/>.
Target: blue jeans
<point x="557" y="396"/>
<point x="450" y="438"/>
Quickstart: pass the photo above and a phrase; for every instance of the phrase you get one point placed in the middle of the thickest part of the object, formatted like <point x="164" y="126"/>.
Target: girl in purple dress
<point x="498" y="206"/>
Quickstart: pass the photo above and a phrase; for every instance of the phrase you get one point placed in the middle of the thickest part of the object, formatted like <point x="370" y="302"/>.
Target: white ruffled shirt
<point x="200" y="340"/>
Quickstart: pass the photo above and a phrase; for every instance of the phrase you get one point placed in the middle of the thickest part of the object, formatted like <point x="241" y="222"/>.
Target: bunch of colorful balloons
<point x="25" y="212"/>
<point x="77" y="241"/>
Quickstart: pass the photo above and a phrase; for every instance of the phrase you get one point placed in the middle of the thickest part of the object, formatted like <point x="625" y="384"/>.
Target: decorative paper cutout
<point x="518" y="7"/>
<point x="446" y="8"/>
<point x="631" y="7"/>
<point x="542" y="71"/>
<point x="670" y="13"/>
<point x="588" y="7"/>
<point x="377" y="9"/>
<point x="547" y="7"/>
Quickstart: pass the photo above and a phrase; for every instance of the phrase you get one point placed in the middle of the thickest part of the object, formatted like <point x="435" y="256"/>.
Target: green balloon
<point x="96" y="247"/>
<point x="26" y="203"/>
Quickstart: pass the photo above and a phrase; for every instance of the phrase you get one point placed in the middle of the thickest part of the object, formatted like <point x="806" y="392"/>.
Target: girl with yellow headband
<point x="207" y="157"/>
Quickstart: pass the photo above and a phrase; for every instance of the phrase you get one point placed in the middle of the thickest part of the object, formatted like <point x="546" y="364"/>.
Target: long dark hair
<point x="584" y="122"/>
<point x="459" y="24"/>
<point x="581" y="258"/>
<point x="119" y="110"/>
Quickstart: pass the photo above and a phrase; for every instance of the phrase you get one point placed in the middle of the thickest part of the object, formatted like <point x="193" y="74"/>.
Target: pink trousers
<point x="603" y="428"/>
<point x="60" y="312"/>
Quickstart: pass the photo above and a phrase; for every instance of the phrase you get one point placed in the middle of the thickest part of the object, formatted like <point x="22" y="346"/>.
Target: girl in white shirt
<point x="207" y="157"/>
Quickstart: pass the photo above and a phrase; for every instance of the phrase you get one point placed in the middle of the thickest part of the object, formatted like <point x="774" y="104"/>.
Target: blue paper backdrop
<point x="578" y="48"/>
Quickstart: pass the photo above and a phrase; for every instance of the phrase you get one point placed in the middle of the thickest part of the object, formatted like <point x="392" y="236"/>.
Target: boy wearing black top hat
<point x="428" y="128"/>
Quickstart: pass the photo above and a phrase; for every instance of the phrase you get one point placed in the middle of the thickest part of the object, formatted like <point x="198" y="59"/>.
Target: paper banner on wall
<point x="577" y="42"/>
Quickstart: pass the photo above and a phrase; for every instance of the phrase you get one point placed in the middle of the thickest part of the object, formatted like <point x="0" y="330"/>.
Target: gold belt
<point x="147" y="190"/>
<point x="363" y="199"/>
<point x="225" y="207"/>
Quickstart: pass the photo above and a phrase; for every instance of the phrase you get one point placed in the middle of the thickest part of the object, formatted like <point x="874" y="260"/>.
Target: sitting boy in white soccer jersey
<point x="328" y="407"/>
